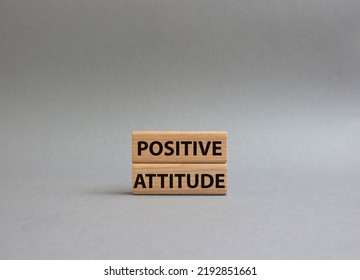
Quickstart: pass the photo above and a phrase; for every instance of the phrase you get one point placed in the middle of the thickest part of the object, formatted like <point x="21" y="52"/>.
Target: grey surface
<point x="282" y="77"/>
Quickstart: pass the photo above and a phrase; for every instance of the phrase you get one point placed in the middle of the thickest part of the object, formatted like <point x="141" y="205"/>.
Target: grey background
<point x="282" y="77"/>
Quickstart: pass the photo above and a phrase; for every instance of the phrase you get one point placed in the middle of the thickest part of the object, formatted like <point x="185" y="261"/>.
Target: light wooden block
<point x="179" y="178"/>
<point x="179" y="147"/>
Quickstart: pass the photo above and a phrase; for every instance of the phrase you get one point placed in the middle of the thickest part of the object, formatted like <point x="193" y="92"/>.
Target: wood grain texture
<point x="179" y="147"/>
<point x="186" y="178"/>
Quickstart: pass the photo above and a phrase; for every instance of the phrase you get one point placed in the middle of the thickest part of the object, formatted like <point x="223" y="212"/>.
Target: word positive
<point x="170" y="148"/>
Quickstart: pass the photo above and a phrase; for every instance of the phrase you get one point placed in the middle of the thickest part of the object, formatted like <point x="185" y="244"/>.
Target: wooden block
<point x="179" y="178"/>
<point x="179" y="146"/>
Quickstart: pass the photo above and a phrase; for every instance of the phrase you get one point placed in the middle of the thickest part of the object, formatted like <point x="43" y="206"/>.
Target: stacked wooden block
<point x="179" y="162"/>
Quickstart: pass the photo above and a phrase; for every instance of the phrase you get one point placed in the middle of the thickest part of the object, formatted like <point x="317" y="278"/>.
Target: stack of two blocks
<point x="179" y="162"/>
